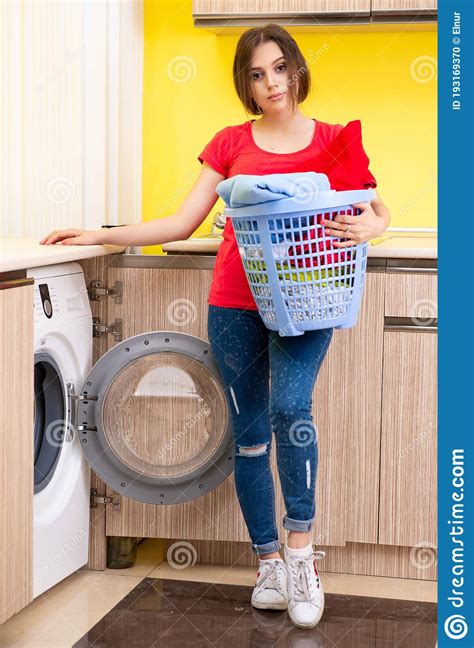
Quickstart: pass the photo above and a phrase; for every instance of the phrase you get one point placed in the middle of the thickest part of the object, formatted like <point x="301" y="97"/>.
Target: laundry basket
<point x="298" y="279"/>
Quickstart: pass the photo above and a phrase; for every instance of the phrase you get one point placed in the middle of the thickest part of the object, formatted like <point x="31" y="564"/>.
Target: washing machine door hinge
<point x="97" y="290"/>
<point x="95" y="500"/>
<point x="74" y="401"/>
<point x="99" y="329"/>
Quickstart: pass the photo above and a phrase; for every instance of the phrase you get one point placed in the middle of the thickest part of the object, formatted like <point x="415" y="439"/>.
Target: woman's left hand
<point x="367" y="225"/>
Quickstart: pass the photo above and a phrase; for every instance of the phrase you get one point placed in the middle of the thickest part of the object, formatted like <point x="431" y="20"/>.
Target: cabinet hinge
<point x="104" y="499"/>
<point x="97" y="290"/>
<point x="99" y="329"/>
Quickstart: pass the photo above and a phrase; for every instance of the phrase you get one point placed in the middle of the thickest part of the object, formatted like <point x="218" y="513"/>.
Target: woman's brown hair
<point x="299" y="78"/>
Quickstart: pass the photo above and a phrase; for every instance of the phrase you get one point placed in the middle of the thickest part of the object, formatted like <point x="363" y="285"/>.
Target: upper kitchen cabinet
<point x="225" y="14"/>
<point x="396" y="10"/>
<point x="228" y="13"/>
<point x="404" y="5"/>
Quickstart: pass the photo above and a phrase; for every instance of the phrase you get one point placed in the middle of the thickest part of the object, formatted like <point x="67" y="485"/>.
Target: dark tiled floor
<point x="176" y="613"/>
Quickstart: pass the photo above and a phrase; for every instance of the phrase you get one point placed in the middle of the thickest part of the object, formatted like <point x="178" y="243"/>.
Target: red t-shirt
<point x="233" y="151"/>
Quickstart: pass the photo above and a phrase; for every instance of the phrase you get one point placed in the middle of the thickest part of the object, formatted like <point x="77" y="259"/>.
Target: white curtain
<point x="71" y="103"/>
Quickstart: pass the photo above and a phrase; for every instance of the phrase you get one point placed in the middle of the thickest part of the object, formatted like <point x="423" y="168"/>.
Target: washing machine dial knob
<point x="48" y="309"/>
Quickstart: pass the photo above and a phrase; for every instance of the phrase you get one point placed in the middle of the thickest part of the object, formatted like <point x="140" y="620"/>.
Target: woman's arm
<point x="180" y="225"/>
<point x="381" y="209"/>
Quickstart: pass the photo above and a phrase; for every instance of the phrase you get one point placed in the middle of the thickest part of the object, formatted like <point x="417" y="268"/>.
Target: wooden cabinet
<point x="408" y="459"/>
<point x="376" y="400"/>
<point x="220" y="15"/>
<point x="411" y="292"/>
<point x="274" y="7"/>
<point x="16" y="446"/>
<point x="347" y="410"/>
<point x="311" y="13"/>
<point x="403" y="6"/>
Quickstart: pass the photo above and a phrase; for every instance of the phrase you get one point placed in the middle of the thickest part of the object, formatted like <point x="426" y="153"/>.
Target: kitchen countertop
<point x="23" y="253"/>
<point x="391" y="245"/>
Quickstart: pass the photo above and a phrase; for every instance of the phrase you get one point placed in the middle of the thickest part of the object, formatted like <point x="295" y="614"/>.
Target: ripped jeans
<point x="269" y="381"/>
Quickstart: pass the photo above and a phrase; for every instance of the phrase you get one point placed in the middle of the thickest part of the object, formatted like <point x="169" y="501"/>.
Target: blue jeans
<point x="269" y="382"/>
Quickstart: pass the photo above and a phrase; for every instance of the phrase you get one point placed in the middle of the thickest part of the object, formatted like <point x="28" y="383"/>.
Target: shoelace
<point x="269" y="578"/>
<point x="300" y="568"/>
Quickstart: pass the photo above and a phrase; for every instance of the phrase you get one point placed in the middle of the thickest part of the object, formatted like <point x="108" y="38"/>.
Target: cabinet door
<point x="347" y="411"/>
<point x="275" y="7"/>
<point x="16" y="446"/>
<point x="408" y="464"/>
<point x="400" y="6"/>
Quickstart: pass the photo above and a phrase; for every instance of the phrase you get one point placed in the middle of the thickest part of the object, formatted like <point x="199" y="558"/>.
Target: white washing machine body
<point x="63" y="358"/>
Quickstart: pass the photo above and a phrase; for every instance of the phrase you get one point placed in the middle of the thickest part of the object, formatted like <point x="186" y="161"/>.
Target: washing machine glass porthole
<point x="153" y="419"/>
<point x="49" y="419"/>
<point x="164" y="415"/>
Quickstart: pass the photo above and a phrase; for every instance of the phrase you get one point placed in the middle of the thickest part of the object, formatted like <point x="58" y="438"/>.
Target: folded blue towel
<point x="242" y="190"/>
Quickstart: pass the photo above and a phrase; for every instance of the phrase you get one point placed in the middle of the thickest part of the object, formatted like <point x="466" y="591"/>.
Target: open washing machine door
<point x="153" y="419"/>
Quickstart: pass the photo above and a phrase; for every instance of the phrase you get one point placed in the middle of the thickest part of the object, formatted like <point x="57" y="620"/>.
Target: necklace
<point x="272" y="146"/>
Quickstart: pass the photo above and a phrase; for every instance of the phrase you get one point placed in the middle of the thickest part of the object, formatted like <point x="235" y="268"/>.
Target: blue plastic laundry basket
<point x="298" y="279"/>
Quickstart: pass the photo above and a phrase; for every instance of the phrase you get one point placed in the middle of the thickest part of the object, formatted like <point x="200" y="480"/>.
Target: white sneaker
<point x="270" y="591"/>
<point x="305" y="590"/>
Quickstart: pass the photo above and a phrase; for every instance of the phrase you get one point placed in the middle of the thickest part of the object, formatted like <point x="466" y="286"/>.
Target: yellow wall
<point x="375" y="76"/>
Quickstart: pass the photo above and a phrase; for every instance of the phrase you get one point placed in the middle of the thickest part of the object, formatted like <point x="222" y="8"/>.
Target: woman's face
<point x="269" y="77"/>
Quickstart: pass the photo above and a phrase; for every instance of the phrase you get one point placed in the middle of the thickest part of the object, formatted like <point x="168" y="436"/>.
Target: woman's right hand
<point x="73" y="237"/>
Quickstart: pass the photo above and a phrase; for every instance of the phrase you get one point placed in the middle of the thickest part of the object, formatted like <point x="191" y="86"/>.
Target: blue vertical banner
<point x="455" y="321"/>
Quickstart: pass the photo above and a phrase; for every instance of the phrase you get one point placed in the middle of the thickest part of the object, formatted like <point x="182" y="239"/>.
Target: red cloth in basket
<point x="346" y="165"/>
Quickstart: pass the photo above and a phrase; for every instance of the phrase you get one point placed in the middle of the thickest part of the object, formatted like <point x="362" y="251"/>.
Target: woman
<point x="271" y="79"/>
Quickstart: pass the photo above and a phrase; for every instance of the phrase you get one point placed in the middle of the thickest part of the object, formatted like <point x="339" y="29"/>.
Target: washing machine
<point x="151" y="418"/>
<point x="63" y="358"/>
